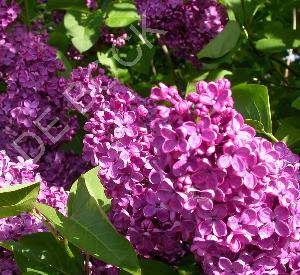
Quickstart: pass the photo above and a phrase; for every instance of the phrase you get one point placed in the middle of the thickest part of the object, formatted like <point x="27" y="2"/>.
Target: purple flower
<point x="91" y="4"/>
<point x="212" y="221"/>
<point x="207" y="176"/>
<point x="125" y="124"/>
<point x="116" y="39"/>
<point x="112" y="163"/>
<point x="274" y="221"/>
<point x="246" y="223"/>
<point x="12" y="228"/>
<point x="174" y="140"/>
<point x="229" y="267"/>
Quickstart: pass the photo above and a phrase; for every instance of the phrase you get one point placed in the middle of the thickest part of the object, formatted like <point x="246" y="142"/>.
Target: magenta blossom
<point x="274" y="221"/>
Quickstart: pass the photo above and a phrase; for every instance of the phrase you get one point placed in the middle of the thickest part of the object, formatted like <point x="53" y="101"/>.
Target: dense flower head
<point x="188" y="25"/>
<point x="12" y="228"/>
<point x="118" y="114"/>
<point x="194" y="173"/>
<point x="34" y="113"/>
<point x="34" y="92"/>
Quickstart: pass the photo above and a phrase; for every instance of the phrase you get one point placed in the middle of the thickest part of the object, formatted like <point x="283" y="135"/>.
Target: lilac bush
<point x="189" y="26"/>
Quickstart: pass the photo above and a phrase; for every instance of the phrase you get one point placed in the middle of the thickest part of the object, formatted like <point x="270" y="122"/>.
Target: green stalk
<point x="46" y="223"/>
<point x="27" y="15"/>
<point x="270" y="136"/>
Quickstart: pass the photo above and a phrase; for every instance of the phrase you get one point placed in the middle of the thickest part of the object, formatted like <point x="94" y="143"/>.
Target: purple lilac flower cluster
<point x="189" y="25"/>
<point x="33" y="89"/>
<point x="194" y="173"/>
<point x="13" y="228"/>
<point x="35" y="95"/>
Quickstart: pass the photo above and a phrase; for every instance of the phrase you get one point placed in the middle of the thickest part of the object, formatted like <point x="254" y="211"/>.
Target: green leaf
<point x="188" y="266"/>
<point x="122" y="15"/>
<point x="32" y="267"/>
<point x="289" y="130"/>
<point x="144" y="64"/>
<point x="274" y="45"/>
<point x="19" y="193"/>
<point x="150" y="267"/>
<point x="68" y="66"/>
<point x="76" y="144"/>
<point x="75" y="5"/>
<point x="107" y="60"/>
<point x="59" y="40"/>
<point x="3" y="87"/>
<point x="257" y="125"/>
<point x="52" y="215"/>
<point x="296" y="103"/>
<point x="41" y="252"/>
<point x="14" y="210"/>
<point x="17" y="199"/>
<point x="96" y="190"/>
<point x="29" y="11"/>
<point x="252" y="101"/>
<point x="245" y="11"/>
<point x="259" y="128"/>
<point x="89" y="229"/>
<point x="73" y="22"/>
<point x="84" y="29"/>
<point x="223" y="43"/>
<point x="277" y="38"/>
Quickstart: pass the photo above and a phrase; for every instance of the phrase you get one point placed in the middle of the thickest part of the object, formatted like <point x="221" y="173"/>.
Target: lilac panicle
<point x="35" y="95"/>
<point x="193" y="176"/>
<point x="188" y="25"/>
